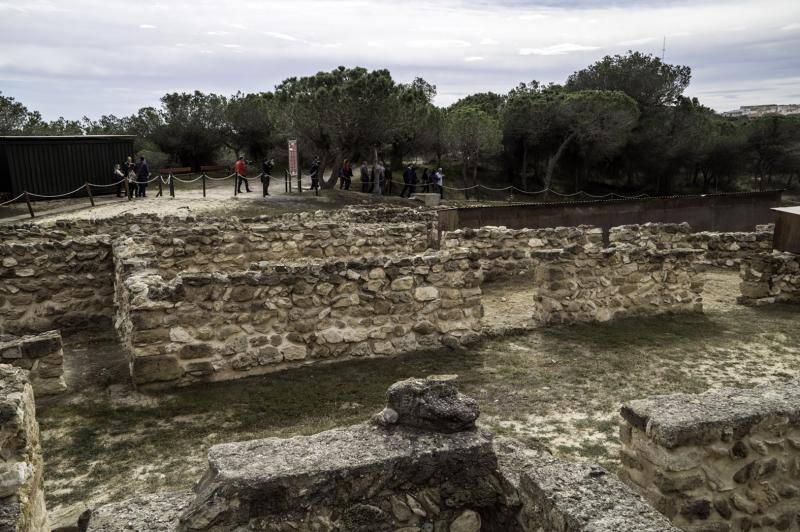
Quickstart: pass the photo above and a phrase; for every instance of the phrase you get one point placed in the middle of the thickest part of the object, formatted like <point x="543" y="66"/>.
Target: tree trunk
<point x="475" y="178"/>
<point x="524" y="172"/>
<point x="551" y="164"/>
<point x="334" y="178"/>
<point x="464" y="172"/>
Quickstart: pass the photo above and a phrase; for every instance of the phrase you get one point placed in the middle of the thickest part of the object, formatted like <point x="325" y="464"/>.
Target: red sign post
<point x="293" y="166"/>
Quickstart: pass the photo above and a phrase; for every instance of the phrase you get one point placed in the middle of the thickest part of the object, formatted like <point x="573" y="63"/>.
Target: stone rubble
<point x="42" y="355"/>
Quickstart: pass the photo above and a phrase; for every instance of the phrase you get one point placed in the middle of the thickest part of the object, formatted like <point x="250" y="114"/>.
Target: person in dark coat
<point x="425" y="180"/>
<point x="407" y="181"/>
<point x="386" y="185"/>
<point x="364" y="177"/>
<point x="266" y="174"/>
<point x="142" y="175"/>
<point x="414" y="181"/>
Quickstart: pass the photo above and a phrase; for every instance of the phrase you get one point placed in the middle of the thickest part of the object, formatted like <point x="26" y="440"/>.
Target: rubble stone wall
<point x="42" y="355"/>
<point x="771" y="278"/>
<point x="727" y="459"/>
<point x="722" y="250"/>
<point x="509" y="252"/>
<point x="358" y="215"/>
<point x="213" y="326"/>
<point x="211" y="248"/>
<point x="47" y="285"/>
<point x="22" y="506"/>
<point x="573" y="285"/>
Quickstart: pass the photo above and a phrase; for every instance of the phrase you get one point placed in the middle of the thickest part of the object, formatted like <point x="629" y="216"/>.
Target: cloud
<point x="54" y="59"/>
<point x="438" y="43"/>
<point x="231" y="45"/>
<point x="147" y="27"/>
<point x="557" y="49"/>
<point x="634" y="42"/>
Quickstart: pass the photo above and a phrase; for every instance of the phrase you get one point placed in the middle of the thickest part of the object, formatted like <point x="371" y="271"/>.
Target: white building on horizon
<point x="753" y="111"/>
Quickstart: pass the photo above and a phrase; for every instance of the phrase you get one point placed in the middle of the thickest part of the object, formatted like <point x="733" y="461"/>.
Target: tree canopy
<point x="622" y="122"/>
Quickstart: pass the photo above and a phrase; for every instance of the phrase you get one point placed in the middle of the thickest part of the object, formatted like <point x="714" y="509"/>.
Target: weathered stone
<point x="468" y="521"/>
<point x="433" y="404"/>
<point x="155" y="369"/>
<point x="154" y="513"/>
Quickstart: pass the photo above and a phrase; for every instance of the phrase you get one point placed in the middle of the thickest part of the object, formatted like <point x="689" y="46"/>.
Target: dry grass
<point x="562" y="386"/>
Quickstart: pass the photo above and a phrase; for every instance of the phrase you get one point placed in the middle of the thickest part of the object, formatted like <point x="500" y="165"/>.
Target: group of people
<point x="241" y="174"/>
<point x="378" y="179"/>
<point x="135" y="174"/>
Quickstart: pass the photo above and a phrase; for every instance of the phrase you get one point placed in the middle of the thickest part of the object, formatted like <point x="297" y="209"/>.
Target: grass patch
<point x="560" y="386"/>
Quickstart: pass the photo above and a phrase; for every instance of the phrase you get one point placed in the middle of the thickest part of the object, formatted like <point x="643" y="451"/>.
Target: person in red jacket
<point x="241" y="175"/>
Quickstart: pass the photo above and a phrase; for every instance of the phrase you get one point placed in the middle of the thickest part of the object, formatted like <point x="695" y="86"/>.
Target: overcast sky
<point x="94" y="57"/>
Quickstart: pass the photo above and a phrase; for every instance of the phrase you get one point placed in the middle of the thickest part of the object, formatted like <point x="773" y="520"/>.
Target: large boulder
<point x="433" y="403"/>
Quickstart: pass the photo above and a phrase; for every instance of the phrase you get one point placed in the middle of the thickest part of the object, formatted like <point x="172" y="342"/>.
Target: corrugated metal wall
<point x="55" y="165"/>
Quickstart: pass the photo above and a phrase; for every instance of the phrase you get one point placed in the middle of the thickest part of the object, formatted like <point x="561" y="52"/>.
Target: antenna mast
<point x="663" y="48"/>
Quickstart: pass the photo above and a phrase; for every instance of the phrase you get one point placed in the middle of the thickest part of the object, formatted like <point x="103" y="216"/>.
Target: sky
<point x="92" y="57"/>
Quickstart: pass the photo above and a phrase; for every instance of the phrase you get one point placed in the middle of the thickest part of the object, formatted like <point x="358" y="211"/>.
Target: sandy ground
<point x="219" y="201"/>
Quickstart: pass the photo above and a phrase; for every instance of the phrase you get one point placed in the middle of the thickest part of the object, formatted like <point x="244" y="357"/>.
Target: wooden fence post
<point x="236" y="184"/>
<point x="204" y="185"/>
<point x="160" y="187"/>
<point x="89" y="192"/>
<point x="171" y="186"/>
<point x="28" y="201"/>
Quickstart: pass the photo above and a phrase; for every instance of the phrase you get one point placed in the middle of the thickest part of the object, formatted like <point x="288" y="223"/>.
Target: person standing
<point x="425" y="178"/>
<point x="241" y="175"/>
<point x="414" y="181"/>
<point x="378" y="178"/>
<point x="314" y="172"/>
<point x="266" y="174"/>
<point x="439" y="180"/>
<point x="387" y="179"/>
<point x="406" y="181"/>
<point x="119" y="177"/>
<point x="346" y="175"/>
<point x="364" y="177"/>
<point x="142" y="175"/>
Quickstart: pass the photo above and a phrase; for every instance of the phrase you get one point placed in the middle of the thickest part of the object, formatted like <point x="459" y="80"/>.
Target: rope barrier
<point x="11" y="200"/>
<point x="110" y="185"/>
<point x="57" y="195"/>
<point x="189" y="181"/>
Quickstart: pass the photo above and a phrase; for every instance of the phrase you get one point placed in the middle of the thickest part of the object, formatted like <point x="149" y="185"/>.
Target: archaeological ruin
<point x="202" y="299"/>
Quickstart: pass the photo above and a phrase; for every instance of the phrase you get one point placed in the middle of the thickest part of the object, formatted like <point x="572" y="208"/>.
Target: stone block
<point x="159" y="368"/>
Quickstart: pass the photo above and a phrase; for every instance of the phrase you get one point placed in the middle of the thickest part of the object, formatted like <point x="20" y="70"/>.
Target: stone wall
<point x="722" y="250"/>
<point x="210" y="248"/>
<point x="62" y="284"/>
<point x="574" y="285"/>
<point x="357" y="214"/>
<point x="42" y="355"/>
<point x="727" y="459"/>
<point x="421" y="465"/>
<point x="771" y="278"/>
<point x="509" y="252"/>
<point x="22" y="507"/>
<point x="204" y="326"/>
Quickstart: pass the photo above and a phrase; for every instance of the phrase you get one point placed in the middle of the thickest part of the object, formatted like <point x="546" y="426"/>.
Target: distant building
<point x="753" y="111"/>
